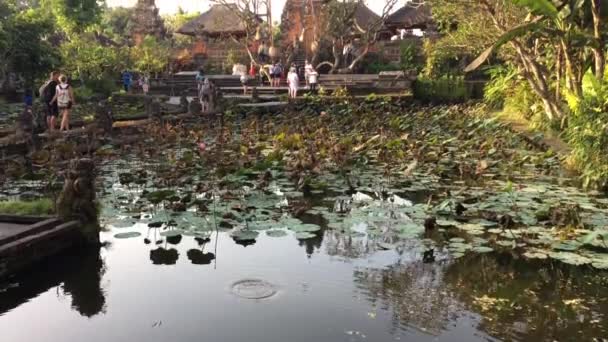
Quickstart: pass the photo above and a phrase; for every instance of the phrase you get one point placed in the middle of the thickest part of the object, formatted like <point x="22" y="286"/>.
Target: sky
<point x="171" y="6"/>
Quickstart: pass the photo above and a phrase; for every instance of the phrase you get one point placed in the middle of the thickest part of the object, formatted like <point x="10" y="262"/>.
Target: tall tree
<point x="75" y="16"/>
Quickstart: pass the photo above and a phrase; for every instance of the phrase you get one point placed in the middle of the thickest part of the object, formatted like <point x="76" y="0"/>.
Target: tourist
<point x="144" y="82"/>
<point x="278" y="72"/>
<point x="204" y="95"/>
<point x="244" y="81"/>
<point x="200" y="78"/>
<point x="47" y="93"/>
<point x="275" y="75"/>
<point x="313" y="77"/>
<point x="64" y="96"/>
<point x="28" y="98"/>
<point x="307" y="70"/>
<point x="293" y="80"/>
<point x="127" y="79"/>
<point x="252" y="71"/>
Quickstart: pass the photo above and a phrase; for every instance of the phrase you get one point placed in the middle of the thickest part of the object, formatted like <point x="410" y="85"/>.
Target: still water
<point x="334" y="287"/>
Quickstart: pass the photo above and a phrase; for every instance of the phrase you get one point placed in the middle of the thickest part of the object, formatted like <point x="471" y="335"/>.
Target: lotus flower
<point x="202" y="146"/>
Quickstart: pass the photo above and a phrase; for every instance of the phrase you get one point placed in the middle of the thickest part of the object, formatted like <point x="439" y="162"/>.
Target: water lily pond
<point x="473" y="236"/>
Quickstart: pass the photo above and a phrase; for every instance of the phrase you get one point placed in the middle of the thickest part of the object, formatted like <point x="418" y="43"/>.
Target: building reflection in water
<point x="78" y="273"/>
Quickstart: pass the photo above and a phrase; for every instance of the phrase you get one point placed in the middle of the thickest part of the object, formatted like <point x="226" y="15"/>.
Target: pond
<point x="194" y="251"/>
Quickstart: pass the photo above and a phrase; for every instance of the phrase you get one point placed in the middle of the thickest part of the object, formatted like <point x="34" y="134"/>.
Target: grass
<point x="38" y="207"/>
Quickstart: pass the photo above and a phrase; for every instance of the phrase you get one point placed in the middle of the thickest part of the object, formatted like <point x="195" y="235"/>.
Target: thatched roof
<point x="218" y="20"/>
<point x="365" y="16"/>
<point x="410" y="16"/>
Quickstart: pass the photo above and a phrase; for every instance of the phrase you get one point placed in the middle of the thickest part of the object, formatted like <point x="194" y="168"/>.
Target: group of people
<point x="143" y="82"/>
<point x="58" y="99"/>
<point x="276" y="73"/>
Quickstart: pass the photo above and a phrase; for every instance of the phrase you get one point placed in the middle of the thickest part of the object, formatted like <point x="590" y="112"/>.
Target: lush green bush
<point x="587" y="133"/>
<point x="411" y="56"/>
<point x="374" y="63"/>
<point x="445" y="90"/>
<point x="42" y="206"/>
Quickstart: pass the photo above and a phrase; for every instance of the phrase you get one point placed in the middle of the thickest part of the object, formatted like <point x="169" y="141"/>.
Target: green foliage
<point x="502" y="80"/>
<point x="587" y="133"/>
<point x="27" y="52"/>
<point x="42" y="206"/>
<point x="90" y="61"/>
<point x="174" y="22"/>
<point x="116" y="23"/>
<point x="151" y="55"/>
<point x="410" y="56"/>
<point x="375" y="63"/>
<point x="441" y="90"/>
<point x="74" y="16"/>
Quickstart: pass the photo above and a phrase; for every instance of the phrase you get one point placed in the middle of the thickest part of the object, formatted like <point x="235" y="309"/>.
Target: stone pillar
<point x="104" y="117"/>
<point x="77" y="198"/>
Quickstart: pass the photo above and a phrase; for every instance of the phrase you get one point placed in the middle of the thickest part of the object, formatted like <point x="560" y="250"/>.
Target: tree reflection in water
<point x="532" y="301"/>
<point x="414" y="293"/>
<point x="78" y="273"/>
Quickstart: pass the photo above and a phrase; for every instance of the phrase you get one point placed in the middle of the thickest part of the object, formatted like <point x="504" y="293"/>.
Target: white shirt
<point x="293" y="79"/>
<point x="312" y="77"/>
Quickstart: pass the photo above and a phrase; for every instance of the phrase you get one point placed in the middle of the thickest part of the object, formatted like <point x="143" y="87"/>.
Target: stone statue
<point x="104" y="117"/>
<point x="77" y="198"/>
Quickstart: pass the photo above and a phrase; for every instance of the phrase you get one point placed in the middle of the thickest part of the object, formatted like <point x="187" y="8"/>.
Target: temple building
<point x="147" y="21"/>
<point x="220" y="33"/>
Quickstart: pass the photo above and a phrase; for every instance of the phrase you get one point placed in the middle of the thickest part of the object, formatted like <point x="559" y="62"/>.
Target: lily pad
<point x="570" y="258"/>
<point x="482" y="249"/>
<point x="304" y="235"/>
<point x="276" y="233"/>
<point x="305" y="228"/>
<point x="128" y="235"/>
<point x="245" y="235"/>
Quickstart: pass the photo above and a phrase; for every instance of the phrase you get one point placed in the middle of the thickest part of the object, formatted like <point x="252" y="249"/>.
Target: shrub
<point x="441" y="90"/>
<point x="587" y="133"/>
<point x="38" y="207"/>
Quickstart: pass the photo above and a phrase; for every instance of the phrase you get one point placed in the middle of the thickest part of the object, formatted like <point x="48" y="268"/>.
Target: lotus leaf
<point x="482" y="249"/>
<point x="244" y="235"/>
<point x="301" y="228"/>
<point x="536" y="254"/>
<point x="570" y="258"/>
<point x="128" y="235"/>
<point x="305" y="235"/>
<point x="172" y="233"/>
<point x="506" y="243"/>
<point x="276" y="233"/>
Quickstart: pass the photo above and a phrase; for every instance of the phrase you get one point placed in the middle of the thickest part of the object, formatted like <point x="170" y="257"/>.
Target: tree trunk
<point x="599" y="54"/>
<point x="360" y="57"/>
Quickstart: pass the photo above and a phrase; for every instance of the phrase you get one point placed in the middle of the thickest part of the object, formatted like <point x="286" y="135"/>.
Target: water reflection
<point x="198" y="256"/>
<point x="78" y="273"/>
<point x="525" y="301"/>
<point x="163" y="256"/>
<point x="414" y="293"/>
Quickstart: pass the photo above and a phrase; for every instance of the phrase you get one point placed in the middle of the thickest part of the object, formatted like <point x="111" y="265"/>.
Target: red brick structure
<point x="147" y="21"/>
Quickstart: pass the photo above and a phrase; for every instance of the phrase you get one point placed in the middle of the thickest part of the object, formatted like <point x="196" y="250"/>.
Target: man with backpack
<point x="47" y="93"/>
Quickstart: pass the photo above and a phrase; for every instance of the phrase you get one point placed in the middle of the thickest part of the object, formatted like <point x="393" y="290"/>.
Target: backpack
<point x="63" y="96"/>
<point x="44" y="91"/>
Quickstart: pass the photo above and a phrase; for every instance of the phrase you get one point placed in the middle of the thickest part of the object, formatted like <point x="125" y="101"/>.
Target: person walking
<point x="307" y="70"/>
<point x="127" y="79"/>
<point x="47" y="93"/>
<point x="294" y="81"/>
<point x="313" y="78"/>
<point x="200" y="78"/>
<point x="144" y="82"/>
<point x="64" y="96"/>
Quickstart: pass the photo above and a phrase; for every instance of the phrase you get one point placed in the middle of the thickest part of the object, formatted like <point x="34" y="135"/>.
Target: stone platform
<point x="26" y="240"/>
